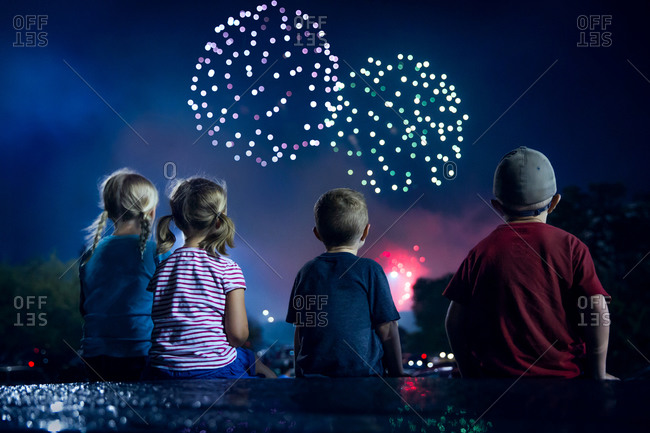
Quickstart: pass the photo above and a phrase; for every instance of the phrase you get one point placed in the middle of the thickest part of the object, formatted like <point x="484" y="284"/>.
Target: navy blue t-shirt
<point x="338" y="300"/>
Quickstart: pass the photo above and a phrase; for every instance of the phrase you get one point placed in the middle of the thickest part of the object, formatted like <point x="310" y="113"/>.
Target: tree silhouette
<point x="40" y="313"/>
<point x="615" y="229"/>
<point x="430" y="309"/>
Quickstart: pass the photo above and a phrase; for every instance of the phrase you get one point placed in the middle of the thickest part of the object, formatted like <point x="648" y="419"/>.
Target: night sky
<point x="517" y="64"/>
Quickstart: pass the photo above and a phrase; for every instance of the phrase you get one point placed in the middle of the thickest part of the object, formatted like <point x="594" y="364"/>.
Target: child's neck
<point x="531" y="219"/>
<point x="193" y="241"/>
<point x="343" y="249"/>
<point x="123" y="228"/>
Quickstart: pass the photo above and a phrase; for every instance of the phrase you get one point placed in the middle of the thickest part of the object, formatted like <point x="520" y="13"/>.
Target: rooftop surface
<point x="330" y="405"/>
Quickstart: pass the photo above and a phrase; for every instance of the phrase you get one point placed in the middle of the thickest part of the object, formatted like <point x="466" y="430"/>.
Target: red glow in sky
<point x="403" y="267"/>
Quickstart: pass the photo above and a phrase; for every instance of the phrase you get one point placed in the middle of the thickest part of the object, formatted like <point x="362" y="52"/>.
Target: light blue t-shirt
<point x="114" y="301"/>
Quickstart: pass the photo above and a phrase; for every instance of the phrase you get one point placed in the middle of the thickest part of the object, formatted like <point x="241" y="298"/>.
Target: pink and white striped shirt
<point x="189" y="305"/>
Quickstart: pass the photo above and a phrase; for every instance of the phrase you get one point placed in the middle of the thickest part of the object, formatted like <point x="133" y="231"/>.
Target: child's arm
<point x="235" y="321"/>
<point x="389" y="335"/>
<point x="596" y="317"/>
<point x="82" y="300"/>
<point x="458" y="337"/>
<point x="264" y="370"/>
<point x="296" y="347"/>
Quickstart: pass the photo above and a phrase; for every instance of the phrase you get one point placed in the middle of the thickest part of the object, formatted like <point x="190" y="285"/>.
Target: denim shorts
<point x="242" y="367"/>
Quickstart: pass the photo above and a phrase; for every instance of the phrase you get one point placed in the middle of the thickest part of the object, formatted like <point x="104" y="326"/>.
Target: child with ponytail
<point x="114" y="274"/>
<point x="198" y="312"/>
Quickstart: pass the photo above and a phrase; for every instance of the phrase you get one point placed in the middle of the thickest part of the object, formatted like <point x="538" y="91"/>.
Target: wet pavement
<point x="330" y="405"/>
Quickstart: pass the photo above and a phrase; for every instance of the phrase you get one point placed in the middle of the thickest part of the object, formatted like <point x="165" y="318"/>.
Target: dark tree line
<point x="616" y="229"/>
<point x="39" y="314"/>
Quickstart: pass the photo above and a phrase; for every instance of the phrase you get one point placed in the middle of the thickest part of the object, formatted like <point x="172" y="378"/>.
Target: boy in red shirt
<point x="526" y="300"/>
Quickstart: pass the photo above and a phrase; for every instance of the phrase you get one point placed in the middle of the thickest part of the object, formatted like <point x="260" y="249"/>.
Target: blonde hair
<point x="341" y="216"/>
<point x="125" y="195"/>
<point x="198" y="205"/>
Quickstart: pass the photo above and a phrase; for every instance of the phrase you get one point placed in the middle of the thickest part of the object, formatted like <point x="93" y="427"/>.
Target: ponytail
<point x="217" y="240"/>
<point x="96" y="230"/>
<point x="145" y="233"/>
<point x="164" y="236"/>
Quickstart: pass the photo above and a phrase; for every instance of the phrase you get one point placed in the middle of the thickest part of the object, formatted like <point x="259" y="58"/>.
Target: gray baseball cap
<point x="524" y="177"/>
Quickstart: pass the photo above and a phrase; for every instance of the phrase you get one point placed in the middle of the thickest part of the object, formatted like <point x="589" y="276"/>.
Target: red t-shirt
<point x="522" y="285"/>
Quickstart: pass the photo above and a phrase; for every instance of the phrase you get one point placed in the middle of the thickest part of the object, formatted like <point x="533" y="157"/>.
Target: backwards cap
<point x="523" y="178"/>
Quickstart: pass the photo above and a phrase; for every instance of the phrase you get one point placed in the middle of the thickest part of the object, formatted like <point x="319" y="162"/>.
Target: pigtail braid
<point x="164" y="236"/>
<point x="224" y="235"/>
<point x="145" y="233"/>
<point x="95" y="232"/>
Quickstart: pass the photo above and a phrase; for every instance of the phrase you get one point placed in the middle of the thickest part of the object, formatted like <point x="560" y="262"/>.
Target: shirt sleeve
<point x="459" y="288"/>
<point x="158" y="259"/>
<point x="153" y="282"/>
<point x="291" y="312"/>
<point x="585" y="280"/>
<point x="382" y="307"/>
<point x="233" y="278"/>
<point x="151" y="287"/>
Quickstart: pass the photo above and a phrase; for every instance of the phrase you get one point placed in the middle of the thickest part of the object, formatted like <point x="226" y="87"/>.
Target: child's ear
<point x="554" y="201"/>
<point x="317" y="234"/>
<point x="497" y="206"/>
<point x="365" y="233"/>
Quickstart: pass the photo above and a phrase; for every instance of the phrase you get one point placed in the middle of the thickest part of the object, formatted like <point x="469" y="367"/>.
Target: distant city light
<point x="54" y="426"/>
<point x="265" y="312"/>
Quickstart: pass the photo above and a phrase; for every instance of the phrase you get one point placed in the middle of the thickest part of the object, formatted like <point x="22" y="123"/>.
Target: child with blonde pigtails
<point x="199" y="313"/>
<point x="114" y="274"/>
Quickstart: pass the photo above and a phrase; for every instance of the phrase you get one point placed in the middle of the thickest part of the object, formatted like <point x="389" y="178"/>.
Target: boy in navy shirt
<point x="341" y="306"/>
